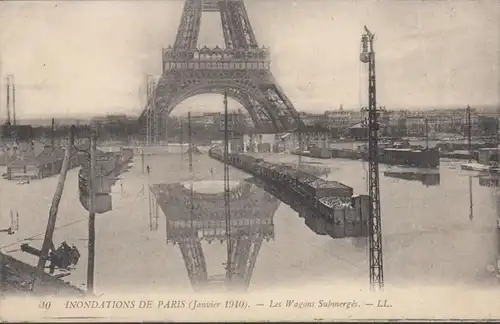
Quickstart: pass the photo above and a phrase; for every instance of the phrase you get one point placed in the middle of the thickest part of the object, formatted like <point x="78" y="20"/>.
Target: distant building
<point x="316" y="136"/>
<point x="16" y="133"/>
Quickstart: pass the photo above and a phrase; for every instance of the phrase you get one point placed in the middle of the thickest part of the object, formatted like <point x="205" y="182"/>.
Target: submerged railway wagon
<point x="331" y="207"/>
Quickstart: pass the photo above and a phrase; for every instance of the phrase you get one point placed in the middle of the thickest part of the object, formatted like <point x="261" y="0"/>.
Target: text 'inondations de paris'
<point x="158" y="304"/>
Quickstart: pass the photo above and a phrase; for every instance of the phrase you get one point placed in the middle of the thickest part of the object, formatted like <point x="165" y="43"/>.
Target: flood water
<point x="428" y="236"/>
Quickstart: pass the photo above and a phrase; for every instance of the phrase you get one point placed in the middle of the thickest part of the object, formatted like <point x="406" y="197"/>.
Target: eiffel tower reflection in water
<point x="196" y="216"/>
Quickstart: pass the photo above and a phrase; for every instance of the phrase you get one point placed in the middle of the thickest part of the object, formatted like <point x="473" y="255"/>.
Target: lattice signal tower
<point x="375" y="236"/>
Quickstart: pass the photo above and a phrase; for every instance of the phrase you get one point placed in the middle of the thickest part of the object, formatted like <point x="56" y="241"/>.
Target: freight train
<point x="331" y="201"/>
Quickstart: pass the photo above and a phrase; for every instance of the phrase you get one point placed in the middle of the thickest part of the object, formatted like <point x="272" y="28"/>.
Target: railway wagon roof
<point x="305" y="177"/>
<point x="278" y="167"/>
<point x="246" y="158"/>
<point x="266" y="164"/>
<point x="320" y="183"/>
<point x="335" y="202"/>
<point x="289" y="171"/>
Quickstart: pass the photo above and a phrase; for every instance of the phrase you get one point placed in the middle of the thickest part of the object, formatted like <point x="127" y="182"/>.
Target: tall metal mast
<point x="375" y="230"/>
<point x="471" y="154"/>
<point x="14" y="117"/>
<point x="426" y="134"/>
<point x="52" y="130"/>
<point x="7" y="80"/>
<point x="227" y="210"/>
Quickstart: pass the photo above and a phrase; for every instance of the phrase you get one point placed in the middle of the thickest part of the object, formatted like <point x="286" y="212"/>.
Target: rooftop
<point x="320" y="183"/>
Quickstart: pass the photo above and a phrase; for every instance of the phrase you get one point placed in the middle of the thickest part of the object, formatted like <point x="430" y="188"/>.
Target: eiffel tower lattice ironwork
<point x="242" y="67"/>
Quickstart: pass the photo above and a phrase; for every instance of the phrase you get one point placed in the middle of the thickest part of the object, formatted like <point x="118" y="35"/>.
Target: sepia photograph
<point x="249" y="160"/>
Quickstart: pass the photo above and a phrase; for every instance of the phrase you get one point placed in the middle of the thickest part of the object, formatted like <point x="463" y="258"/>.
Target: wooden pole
<point x="471" y="156"/>
<point x="7" y="80"/>
<point x="299" y="133"/>
<point x="51" y="223"/>
<point x="469" y="130"/>
<point x="92" y="189"/>
<point x="13" y="101"/>
<point x="426" y="134"/>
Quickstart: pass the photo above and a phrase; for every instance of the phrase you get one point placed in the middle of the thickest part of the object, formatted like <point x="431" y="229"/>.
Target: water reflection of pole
<point x="190" y="146"/>
<point x="471" y="206"/>
<point x="190" y="152"/>
<point x="226" y="192"/>
<point x="469" y="142"/>
<point x="182" y="141"/>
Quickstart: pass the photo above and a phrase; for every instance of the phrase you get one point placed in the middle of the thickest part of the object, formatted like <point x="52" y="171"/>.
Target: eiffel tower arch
<point x="241" y="68"/>
<point x="194" y="218"/>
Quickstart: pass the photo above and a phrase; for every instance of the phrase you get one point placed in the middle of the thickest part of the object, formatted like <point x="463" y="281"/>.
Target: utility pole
<point x="13" y="101"/>
<point x="469" y="130"/>
<point x="227" y="209"/>
<point x="375" y="229"/>
<point x="497" y="128"/>
<point x="52" y="129"/>
<point x="471" y="155"/>
<point x="92" y="189"/>
<point x="54" y="208"/>
<point x="426" y="134"/>
<point x="299" y="135"/>
<point x="7" y="80"/>
<point x="148" y="127"/>
<point x="149" y="112"/>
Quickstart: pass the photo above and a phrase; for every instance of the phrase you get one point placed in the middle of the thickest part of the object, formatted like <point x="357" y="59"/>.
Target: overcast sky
<point x="90" y="57"/>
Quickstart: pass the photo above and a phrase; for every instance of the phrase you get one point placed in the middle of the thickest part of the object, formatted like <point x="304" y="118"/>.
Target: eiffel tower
<point x="242" y="68"/>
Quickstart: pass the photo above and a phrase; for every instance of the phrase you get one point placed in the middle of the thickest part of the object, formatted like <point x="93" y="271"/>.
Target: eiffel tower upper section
<point x="241" y="68"/>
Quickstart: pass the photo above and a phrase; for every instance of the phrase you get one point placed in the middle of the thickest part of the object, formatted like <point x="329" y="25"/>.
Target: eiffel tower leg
<point x="194" y="260"/>
<point x="233" y="266"/>
<point x="184" y="247"/>
<point x="189" y="28"/>
<point x="240" y="260"/>
<point x="245" y="256"/>
<point x="254" y="249"/>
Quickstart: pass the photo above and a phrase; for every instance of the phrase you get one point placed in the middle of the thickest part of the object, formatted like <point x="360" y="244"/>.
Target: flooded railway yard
<point x="428" y="236"/>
